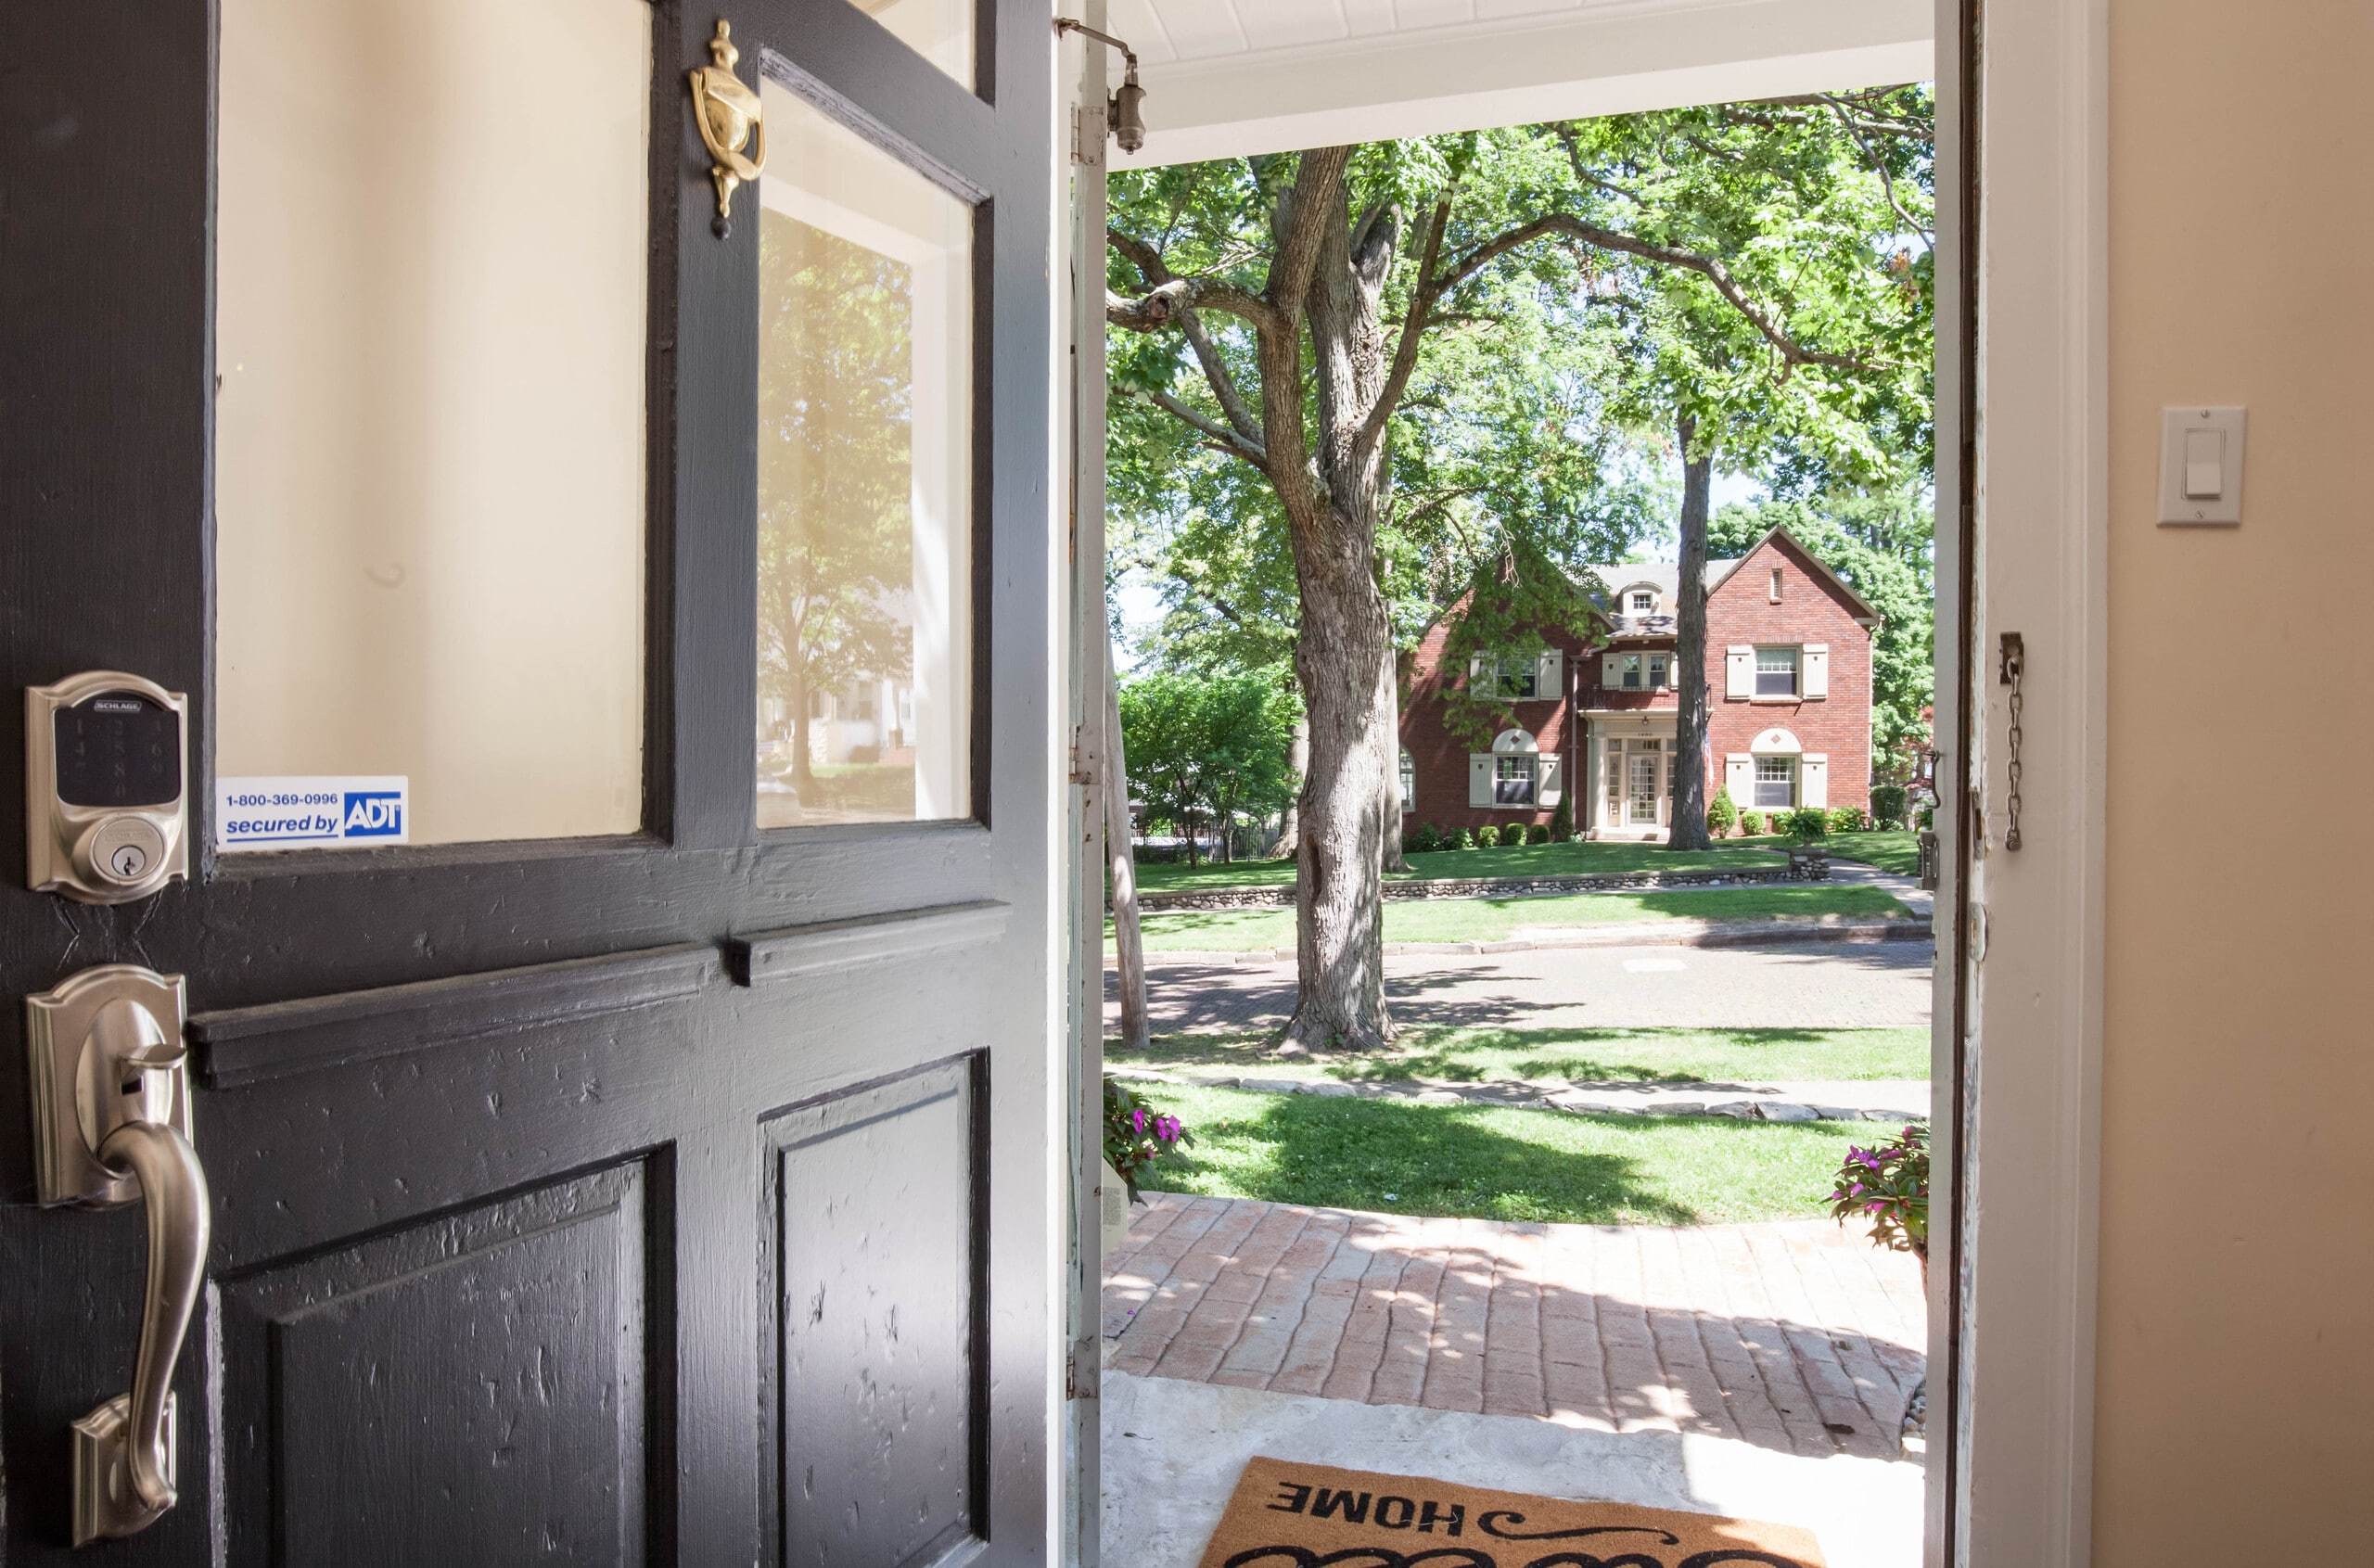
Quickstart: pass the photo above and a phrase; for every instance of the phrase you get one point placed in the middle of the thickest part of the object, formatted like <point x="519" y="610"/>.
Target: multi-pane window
<point x="1409" y="782"/>
<point x="1643" y="600"/>
<point x="1630" y="671"/>
<point x="1776" y="782"/>
<point x="1775" y="672"/>
<point x="1658" y="664"/>
<point x="1512" y="780"/>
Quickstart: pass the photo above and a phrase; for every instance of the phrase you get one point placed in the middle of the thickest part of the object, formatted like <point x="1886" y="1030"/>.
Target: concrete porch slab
<point x="1172" y="1451"/>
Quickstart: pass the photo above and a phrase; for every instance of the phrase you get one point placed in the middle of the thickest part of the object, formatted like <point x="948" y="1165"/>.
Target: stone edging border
<point x="1571" y="1100"/>
<point x="1282" y="897"/>
<point x="1664" y="934"/>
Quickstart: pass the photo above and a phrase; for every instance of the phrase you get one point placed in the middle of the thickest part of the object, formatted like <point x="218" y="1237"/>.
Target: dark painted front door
<point x="673" y="1192"/>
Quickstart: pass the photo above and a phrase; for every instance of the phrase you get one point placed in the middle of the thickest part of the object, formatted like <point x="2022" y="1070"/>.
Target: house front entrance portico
<point x="1630" y="759"/>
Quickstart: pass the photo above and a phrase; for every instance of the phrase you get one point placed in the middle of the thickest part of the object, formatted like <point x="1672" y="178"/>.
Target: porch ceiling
<point x="1229" y="77"/>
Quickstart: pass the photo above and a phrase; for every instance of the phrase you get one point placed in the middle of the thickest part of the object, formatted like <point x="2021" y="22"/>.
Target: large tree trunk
<point x="1389" y="698"/>
<point x="1339" y="943"/>
<point x="1290" y="831"/>
<point x="1128" y="940"/>
<point x="1690" y="645"/>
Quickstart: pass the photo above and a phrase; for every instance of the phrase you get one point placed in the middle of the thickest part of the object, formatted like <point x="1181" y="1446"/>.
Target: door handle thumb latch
<point x="110" y="1103"/>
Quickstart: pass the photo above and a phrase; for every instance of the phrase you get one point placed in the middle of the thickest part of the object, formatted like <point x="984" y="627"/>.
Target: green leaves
<point x="1201" y="748"/>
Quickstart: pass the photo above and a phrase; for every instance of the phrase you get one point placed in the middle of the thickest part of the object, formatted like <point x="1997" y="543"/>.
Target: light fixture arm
<point x="1126" y="111"/>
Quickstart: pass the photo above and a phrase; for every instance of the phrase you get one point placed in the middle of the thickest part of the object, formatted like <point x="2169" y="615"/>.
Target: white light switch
<point x="2201" y="464"/>
<point x="2204" y="464"/>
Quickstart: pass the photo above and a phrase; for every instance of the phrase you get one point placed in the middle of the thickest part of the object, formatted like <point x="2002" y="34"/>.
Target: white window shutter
<point x="1739" y="777"/>
<point x="1480" y="778"/>
<point x="1738" y="671"/>
<point x="1610" y="670"/>
<point x="1553" y="781"/>
<point x="1813" y="671"/>
<point x="1549" y="675"/>
<point x="1813" y="780"/>
<point x="1475" y="663"/>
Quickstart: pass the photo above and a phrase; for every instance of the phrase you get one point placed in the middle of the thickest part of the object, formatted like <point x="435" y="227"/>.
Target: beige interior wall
<point x="432" y="221"/>
<point x="2235" y="1418"/>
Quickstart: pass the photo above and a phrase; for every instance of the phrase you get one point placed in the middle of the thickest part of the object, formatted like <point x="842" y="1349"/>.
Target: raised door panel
<point x="876" y="1289"/>
<point x="472" y="1388"/>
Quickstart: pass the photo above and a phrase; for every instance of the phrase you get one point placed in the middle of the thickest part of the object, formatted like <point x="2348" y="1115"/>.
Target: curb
<point x="1665" y="934"/>
<point x="1571" y="1100"/>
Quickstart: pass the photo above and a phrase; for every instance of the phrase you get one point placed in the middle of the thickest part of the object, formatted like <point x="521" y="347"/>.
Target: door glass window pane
<point x="940" y="30"/>
<point x="429" y="426"/>
<point x="865" y="481"/>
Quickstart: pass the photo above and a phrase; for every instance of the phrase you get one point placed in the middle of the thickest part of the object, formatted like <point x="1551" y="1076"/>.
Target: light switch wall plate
<point x="2200" y="466"/>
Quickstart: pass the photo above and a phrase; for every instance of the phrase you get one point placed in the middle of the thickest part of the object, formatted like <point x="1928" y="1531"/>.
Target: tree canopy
<point x="1420" y="365"/>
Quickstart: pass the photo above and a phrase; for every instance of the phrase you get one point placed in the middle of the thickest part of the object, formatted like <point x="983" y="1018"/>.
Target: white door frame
<point x="2011" y="1482"/>
<point x="2023" y="1284"/>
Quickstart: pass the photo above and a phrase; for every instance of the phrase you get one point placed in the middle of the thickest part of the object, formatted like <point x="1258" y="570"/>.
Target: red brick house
<point x="1789" y="703"/>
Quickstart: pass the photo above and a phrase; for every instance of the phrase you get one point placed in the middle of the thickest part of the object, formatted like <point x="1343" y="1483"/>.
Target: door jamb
<point x="2029" y="404"/>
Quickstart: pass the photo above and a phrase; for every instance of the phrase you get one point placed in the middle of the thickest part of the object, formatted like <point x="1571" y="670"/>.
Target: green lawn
<point x="1492" y="1055"/>
<point x="1578" y="859"/>
<point x="1485" y="920"/>
<point x="1498" y="1164"/>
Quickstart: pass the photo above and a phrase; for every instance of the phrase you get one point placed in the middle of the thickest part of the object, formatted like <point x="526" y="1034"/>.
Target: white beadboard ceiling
<point x="1230" y="77"/>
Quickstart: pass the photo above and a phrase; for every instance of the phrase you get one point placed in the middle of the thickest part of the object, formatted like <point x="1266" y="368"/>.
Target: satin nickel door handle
<point x="123" y="1450"/>
<point x="111" y="1127"/>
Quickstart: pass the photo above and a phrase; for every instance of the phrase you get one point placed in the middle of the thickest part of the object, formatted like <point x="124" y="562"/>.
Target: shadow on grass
<point x="1573" y="1055"/>
<point x="1420" y="1159"/>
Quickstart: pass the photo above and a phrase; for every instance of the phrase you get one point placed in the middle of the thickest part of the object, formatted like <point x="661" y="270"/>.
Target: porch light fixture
<point x="1125" y="112"/>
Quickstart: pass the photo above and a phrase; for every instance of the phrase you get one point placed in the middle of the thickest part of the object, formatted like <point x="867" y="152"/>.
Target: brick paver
<point x="1797" y="1336"/>
<point x="1789" y="986"/>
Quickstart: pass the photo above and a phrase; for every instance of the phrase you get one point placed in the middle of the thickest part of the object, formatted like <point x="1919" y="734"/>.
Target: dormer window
<point x="1640" y="601"/>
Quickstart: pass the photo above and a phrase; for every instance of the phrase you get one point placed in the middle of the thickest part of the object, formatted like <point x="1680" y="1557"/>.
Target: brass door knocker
<point x="728" y="113"/>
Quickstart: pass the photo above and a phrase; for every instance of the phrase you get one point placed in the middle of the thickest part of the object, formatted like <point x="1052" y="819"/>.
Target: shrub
<point x="1890" y="1183"/>
<point x="1925" y="819"/>
<point x="1720" y="814"/>
<point x="1752" y="823"/>
<point x="1805" y="824"/>
<point x="1466" y="839"/>
<point x="1423" y="839"/>
<point x="1848" y="819"/>
<point x="1888" y="802"/>
<point x="1539" y="833"/>
<point x="1487" y="838"/>
<point x="1562" y="820"/>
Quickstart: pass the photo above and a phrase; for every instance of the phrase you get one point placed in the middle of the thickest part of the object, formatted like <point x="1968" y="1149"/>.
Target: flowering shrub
<point x="1890" y="1183"/>
<point x="1136" y="1135"/>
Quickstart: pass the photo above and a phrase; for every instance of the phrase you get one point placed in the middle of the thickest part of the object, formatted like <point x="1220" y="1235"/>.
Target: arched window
<point x="1776" y="754"/>
<point x="1516" y="767"/>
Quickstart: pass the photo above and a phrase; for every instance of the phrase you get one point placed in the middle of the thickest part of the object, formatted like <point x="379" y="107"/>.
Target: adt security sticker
<point x="291" y="814"/>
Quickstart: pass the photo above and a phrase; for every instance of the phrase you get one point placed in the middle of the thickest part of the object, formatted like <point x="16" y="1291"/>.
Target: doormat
<point x="1288" y="1515"/>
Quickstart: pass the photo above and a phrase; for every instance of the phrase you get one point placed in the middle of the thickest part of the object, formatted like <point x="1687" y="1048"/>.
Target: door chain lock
<point x="2011" y="671"/>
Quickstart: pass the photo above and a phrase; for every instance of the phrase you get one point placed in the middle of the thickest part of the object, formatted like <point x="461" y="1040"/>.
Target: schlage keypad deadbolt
<point x="107" y="787"/>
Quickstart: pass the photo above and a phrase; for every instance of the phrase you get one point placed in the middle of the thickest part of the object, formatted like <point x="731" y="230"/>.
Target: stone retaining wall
<point x="1477" y="888"/>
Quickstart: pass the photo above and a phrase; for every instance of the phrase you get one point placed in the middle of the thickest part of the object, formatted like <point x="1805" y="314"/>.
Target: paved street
<point x="1812" y="984"/>
<point x="1797" y="1336"/>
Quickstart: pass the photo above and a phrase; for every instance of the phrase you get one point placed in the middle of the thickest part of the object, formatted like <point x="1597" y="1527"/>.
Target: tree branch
<point x="1709" y="267"/>
<point x="1218" y="435"/>
<point x="1887" y="181"/>
<point x="1162" y="305"/>
<point x="1157" y="271"/>
<point x="1413" y="328"/>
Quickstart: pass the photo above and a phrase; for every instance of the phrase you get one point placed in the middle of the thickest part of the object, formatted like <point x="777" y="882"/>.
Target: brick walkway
<point x="1808" y="986"/>
<point x="1796" y="1336"/>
